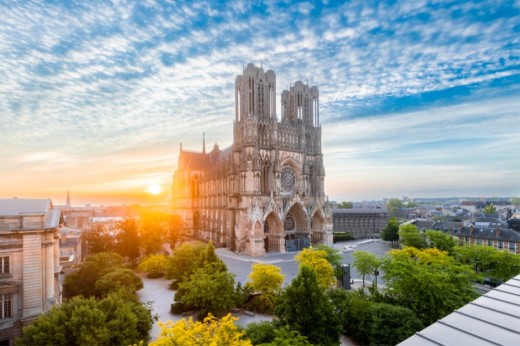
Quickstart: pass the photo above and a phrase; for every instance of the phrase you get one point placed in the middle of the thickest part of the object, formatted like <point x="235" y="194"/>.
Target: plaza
<point x="156" y="290"/>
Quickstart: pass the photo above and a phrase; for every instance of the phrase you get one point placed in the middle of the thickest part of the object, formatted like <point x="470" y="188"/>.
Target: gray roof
<point x="12" y="210"/>
<point x="492" y="319"/>
<point x="360" y="210"/>
<point x="505" y="234"/>
<point x="17" y="206"/>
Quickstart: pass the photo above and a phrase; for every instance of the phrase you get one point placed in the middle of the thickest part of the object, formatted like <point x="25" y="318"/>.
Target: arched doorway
<point x="273" y="234"/>
<point x="317" y="232"/>
<point x="296" y="228"/>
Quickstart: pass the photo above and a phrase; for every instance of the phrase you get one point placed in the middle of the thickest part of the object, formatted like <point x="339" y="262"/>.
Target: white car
<point x="348" y="248"/>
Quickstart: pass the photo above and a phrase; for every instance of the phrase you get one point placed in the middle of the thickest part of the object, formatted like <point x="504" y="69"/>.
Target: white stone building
<point x="29" y="263"/>
<point x="265" y="192"/>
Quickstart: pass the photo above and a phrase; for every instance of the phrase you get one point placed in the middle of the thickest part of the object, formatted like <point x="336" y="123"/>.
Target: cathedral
<point x="265" y="192"/>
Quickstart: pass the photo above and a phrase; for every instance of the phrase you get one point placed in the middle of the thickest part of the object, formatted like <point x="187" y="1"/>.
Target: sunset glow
<point x="154" y="189"/>
<point x="417" y="98"/>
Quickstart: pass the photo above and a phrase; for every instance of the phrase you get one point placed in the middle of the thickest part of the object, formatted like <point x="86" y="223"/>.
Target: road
<point x="240" y="265"/>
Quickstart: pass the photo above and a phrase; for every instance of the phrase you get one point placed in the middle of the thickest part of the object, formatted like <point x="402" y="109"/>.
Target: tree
<point x="266" y="279"/>
<point x="345" y="205"/>
<point x="318" y="260"/>
<point x="440" y="240"/>
<point x="173" y="230"/>
<point x="428" y="282"/>
<point x="152" y="229"/>
<point x="210" y="290"/>
<point x="210" y="332"/>
<point x="410" y="236"/>
<point x="153" y="264"/>
<point x="515" y="201"/>
<point x="118" y="279"/>
<point x="489" y="209"/>
<point x="488" y="261"/>
<point x="305" y="308"/>
<point x="128" y="240"/>
<point x="83" y="281"/>
<point x="389" y="324"/>
<point x="333" y="257"/>
<point x="269" y="334"/>
<point x="394" y="204"/>
<point x="114" y="320"/>
<point x="97" y="240"/>
<point x="184" y="261"/>
<point x="365" y="263"/>
<point x="390" y="233"/>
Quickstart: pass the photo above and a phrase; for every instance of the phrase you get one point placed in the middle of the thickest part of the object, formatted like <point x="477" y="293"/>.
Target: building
<point x="492" y="319"/>
<point x="29" y="263"/>
<point x="361" y="222"/>
<point x="265" y="192"/>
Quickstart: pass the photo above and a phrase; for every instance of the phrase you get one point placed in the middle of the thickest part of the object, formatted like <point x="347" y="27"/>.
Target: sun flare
<point x="154" y="189"/>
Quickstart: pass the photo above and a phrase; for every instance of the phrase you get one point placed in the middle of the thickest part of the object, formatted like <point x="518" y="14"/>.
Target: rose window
<point x="288" y="179"/>
<point x="289" y="224"/>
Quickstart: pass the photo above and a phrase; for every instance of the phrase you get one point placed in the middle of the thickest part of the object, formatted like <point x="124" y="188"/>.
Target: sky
<point x="417" y="98"/>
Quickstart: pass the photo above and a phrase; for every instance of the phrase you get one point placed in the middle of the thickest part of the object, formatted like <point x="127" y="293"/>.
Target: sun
<point x="154" y="189"/>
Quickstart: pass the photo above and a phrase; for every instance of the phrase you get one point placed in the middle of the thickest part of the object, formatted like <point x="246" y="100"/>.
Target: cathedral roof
<point x="193" y="160"/>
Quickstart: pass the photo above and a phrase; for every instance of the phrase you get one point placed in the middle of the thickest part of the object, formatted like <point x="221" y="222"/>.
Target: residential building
<point x="265" y="192"/>
<point x="29" y="263"/>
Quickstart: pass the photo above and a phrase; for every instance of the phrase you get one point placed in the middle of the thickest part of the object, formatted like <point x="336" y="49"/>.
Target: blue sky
<point x="417" y="98"/>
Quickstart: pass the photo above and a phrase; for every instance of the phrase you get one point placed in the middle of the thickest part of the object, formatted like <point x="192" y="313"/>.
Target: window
<point x="500" y="244"/>
<point x="479" y="241"/>
<point x="5" y="300"/>
<point x="4" y="265"/>
<point x="512" y="246"/>
<point x="490" y="242"/>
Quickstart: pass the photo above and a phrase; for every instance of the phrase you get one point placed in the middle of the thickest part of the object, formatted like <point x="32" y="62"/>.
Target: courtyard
<point x="157" y="293"/>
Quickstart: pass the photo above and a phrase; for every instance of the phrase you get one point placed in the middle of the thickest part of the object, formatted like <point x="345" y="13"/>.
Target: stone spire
<point x="68" y="200"/>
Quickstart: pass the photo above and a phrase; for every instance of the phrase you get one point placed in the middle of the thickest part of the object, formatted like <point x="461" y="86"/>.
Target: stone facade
<point x="29" y="263"/>
<point x="265" y="192"/>
<point x="361" y="222"/>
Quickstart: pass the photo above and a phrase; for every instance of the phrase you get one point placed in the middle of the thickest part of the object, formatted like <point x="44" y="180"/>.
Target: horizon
<point x="416" y="99"/>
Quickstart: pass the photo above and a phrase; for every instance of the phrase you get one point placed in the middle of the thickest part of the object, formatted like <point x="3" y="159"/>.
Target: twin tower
<point x="265" y="192"/>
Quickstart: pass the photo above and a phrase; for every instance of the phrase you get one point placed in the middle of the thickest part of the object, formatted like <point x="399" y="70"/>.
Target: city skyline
<point x="417" y="99"/>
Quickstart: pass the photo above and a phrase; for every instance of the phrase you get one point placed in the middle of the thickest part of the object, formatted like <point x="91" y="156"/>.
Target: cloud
<point x="98" y="78"/>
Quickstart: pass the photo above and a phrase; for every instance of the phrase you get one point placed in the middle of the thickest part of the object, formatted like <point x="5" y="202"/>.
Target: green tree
<point x="211" y="290"/>
<point x="390" y="233"/>
<point x="440" y="240"/>
<point x="366" y="263"/>
<point x="317" y="259"/>
<point x="428" y="282"/>
<point x="389" y="324"/>
<point x="266" y="279"/>
<point x="118" y="279"/>
<point x="83" y="281"/>
<point x="128" y="240"/>
<point x="184" y="261"/>
<point x="153" y="264"/>
<point x="345" y="205"/>
<point x="114" y="320"/>
<point x="489" y="209"/>
<point x="394" y="204"/>
<point x="488" y="261"/>
<point x="97" y="240"/>
<point x="305" y="308"/>
<point x="515" y="201"/>
<point x="410" y="236"/>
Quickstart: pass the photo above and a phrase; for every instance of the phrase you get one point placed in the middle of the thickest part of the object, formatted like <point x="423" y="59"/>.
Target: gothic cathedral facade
<point x="265" y="192"/>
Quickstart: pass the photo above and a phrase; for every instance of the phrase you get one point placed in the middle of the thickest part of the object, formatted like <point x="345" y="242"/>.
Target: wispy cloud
<point x="92" y="79"/>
